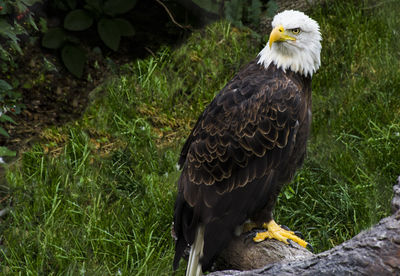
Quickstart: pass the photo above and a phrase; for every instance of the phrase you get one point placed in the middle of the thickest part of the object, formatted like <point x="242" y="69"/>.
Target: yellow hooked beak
<point x="279" y="34"/>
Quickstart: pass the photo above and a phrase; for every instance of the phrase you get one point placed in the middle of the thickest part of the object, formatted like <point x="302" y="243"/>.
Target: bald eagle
<point x="247" y="144"/>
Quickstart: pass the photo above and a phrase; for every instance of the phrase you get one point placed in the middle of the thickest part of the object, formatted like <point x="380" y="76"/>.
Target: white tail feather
<point x="196" y="252"/>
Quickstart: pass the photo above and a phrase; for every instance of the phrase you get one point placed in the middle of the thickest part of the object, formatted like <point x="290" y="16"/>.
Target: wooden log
<point x="244" y="254"/>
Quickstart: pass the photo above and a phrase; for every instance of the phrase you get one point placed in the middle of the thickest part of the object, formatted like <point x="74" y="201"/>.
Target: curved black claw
<point x="290" y="242"/>
<point x="309" y="247"/>
<point x="252" y="233"/>
<point x="299" y="234"/>
<point x="285" y="227"/>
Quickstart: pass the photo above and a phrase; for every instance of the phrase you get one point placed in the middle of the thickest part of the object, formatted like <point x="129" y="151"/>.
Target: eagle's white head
<point x="294" y="43"/>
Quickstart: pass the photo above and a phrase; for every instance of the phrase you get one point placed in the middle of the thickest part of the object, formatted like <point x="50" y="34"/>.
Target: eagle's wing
<point x="245" y="132"/>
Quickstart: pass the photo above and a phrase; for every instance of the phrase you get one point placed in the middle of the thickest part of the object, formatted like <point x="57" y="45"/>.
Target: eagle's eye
<point x="295" y="31"/>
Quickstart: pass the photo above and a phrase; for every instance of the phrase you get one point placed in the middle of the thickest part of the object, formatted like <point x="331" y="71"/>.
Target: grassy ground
<point x="96" y="196"/>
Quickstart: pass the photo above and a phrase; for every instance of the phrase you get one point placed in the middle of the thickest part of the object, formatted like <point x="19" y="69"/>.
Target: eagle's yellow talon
<point x="261" y="236"/>
<point x="274" y="231"/>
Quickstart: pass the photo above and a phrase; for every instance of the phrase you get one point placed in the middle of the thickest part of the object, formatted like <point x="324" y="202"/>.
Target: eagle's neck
<point x="302" y="61"/>
<point x="303" y="82"/>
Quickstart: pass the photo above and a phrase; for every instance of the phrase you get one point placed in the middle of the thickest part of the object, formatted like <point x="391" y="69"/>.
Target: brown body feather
<point x="244" y="147"/>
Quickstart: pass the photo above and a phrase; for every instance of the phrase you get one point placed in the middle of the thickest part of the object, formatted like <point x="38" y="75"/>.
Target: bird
<point x="246" y="145"/>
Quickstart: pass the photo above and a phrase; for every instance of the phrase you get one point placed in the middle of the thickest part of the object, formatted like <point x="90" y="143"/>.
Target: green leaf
<point x="109" y="33"/>
<point x="74" y="59"/>
<point x="6" y="152"/>
<point x="19" y="6"/>
<point x="53" y="38"/>
<point x="5" y="86"/>
<point x="94" y="6"/>
<point x="4" y="132"/>
<point x="48" y="65"/>
<point x="125" y="27"/>
<point x="14" y="45"/>
<point x="5" y="118"/>
<point x="7" y="30"/>
<point x="114" y="7"/>
<point x="31" y="21"/>
<point x="78" y="20"/>
<point x="5" y="8"/>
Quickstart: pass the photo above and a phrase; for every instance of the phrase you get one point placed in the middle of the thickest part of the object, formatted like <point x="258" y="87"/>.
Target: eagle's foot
<point x="297" y="233"/>
<point x="274" y="231"/>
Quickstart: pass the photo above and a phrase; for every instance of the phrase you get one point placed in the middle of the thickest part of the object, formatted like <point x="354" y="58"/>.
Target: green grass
<point x="97" y="196"/>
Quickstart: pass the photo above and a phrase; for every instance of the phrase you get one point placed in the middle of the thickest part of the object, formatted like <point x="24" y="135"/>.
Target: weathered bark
<point x="243" y="254"/>
<point x="372" y="252"/>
